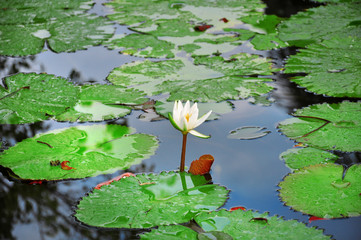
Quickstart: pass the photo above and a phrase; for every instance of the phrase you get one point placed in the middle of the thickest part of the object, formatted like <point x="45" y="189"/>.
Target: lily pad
<point x="216" y="79"/>
<point x="102" y="102"/>
<point x="319" y="23"/>
<point x="238" y="225"/>
<point x="150" y="200"/>
<point x="142" y="45"/>
<point x="332" y="67"/>
<point x="63" y="25"/>
<point x="326" y="126"/>
<point x="164" y="107"/>
<point x="247" y="133"/>
<point x="320" y="191"/>
<point x="34" y="97"/>
<point x="91" y="150"/>
<point x="301" y="157"/>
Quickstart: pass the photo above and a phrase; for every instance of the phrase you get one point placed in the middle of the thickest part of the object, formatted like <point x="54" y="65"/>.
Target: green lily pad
<point x="91" y="150"/>
<point x="102" y="102"/>
<point x="238" y="225"/>
<point x="301" y="157"/>
<point x="63" y="25"/>
<point x="163" y="108"/>
<point x="326" y="126"/>
<point x="216" y="79"/>
<point x="332" y="67"/>
<point x="319" y="23"/>
<point x="150" y="200"/>
<point x="142" y="45"/>
<point x="34" y="97"/>
<point x="319" y="190"/>
<point x="248" y="133"/>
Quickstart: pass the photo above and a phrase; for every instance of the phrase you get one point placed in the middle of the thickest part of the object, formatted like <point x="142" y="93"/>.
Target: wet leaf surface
<point x="319" y="190"/>
<point x="150" y="200"/>
<point x="91" y="150"/>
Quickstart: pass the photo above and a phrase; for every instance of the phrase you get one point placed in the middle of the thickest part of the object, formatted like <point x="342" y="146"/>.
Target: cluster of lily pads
<point x="192" y="54"/>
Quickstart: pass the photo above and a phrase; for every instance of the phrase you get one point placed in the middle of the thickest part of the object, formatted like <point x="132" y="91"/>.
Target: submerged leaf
<point x="247" y="133"/>
<point x="155" y="199"/>
<point x="319" y="190"/>
<point x="92" y="150"/>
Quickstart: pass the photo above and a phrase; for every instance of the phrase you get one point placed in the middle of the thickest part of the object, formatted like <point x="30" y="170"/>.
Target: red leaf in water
<point x="64" y="165"/>
<point x="225" y="20"/>
<point x="124" y="175"/>
<point x="299" y="145"/>
<point x="259" y="219"/>
<point x="236" y="208"/>
<point x="202" y="166"/>
<point x="313" y="218"/>
<point x="36" y="182"/>
<point x="202" y="28"/>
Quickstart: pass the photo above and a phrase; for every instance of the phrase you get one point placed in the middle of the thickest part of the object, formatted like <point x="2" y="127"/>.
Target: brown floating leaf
<point x="202" y="165"/>
<point x="202" y="28"/>
<point x="225" y="20"/>
<point x="64" y="165"/>
<point x="236" y="208"/>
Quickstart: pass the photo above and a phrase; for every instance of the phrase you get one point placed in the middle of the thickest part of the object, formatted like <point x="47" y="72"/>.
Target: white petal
<point x="202" y="119"/>
<point x="198" y="134"/>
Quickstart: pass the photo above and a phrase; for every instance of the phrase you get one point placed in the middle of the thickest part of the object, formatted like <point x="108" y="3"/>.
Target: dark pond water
<point x="250" y="168"/>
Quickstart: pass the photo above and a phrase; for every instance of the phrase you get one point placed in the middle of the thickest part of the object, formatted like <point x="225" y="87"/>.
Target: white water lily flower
<point x="185" y="119"/>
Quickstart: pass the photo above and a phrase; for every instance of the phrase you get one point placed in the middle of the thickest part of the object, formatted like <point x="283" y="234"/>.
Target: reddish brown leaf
<point x="202" y="166"/>
<point x="202" y="28"/>
<point x="236" y="208"/>
<point x="64" y="165"/>
<point x="299" y="145"/>
<point x="225" y="20"/>
<point x="117" y="178"/>
<point x="313" y="218"/>
<point x="259" y="219"/>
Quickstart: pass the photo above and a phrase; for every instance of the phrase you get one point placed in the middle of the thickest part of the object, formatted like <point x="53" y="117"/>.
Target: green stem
<point x="183" y="157"/>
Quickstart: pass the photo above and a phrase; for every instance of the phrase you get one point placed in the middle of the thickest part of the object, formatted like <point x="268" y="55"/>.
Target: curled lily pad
<point x="301" y="157"/>
<point x="102" y="102"/>
<point x="248" y="133"/>
<point x="34" y="97"/>
<point x="320" y="191"/>
<point x="332" y="66"/>
<point x="150" y="200"/>
<point x="239" y="225"/>
<point x="90" y="150"/>
<point x="164" y="107"/>
<point x="326" y="126"/>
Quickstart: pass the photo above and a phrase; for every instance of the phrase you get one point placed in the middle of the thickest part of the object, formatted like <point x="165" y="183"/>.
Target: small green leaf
<point x="320" y="191"/>
<point x="91" y="150"/>
<point x="301" y="157"/>
<point x="34" y="97"/>
<point x="326" y="126"/>
<point x="247" y="133"/>
<point x="150" y="200"/>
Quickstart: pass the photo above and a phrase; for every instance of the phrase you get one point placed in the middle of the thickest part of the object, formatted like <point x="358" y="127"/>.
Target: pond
<point x="250" y="168"/>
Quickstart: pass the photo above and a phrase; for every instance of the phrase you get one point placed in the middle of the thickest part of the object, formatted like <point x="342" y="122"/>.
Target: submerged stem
<point x="182" y="163"/>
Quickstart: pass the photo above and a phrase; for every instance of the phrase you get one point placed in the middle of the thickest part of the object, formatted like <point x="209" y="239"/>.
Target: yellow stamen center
<point x="187" y="117"/>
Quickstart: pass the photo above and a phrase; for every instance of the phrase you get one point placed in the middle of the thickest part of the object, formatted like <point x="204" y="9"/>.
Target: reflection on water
<point x="251" y="169"/>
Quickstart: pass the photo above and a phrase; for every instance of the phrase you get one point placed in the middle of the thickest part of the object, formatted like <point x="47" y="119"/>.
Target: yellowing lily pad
<point x="90" y="150"/>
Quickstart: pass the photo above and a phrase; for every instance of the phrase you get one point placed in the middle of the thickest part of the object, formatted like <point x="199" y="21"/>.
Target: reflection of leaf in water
<point x="301" y="157"/>
<point x="102" y="102"/>
<point x="319" y="190"/>
<point x="342" y="133"/>
<point x="248" y="133"/>
<point x="238" y="224"/>
<point x="170" y="198"/>
<point x="34" y="97"/>
<point x="92" y="150"/>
